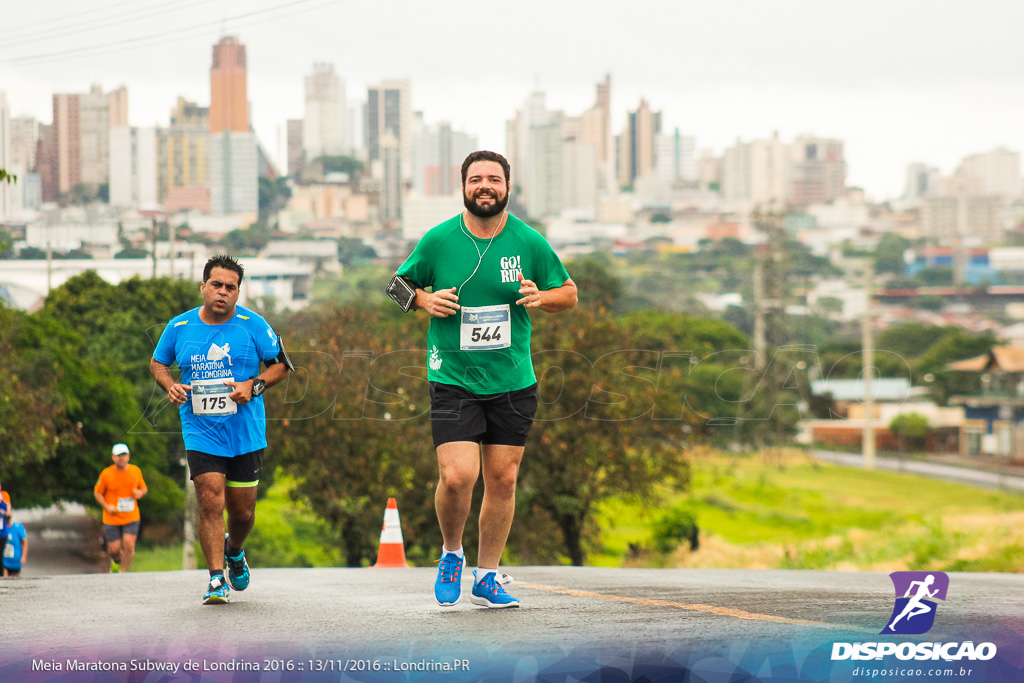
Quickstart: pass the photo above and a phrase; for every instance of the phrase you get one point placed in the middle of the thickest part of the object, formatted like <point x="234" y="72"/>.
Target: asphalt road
<point x="375" y="610"/>
<point x="932" y="470"/>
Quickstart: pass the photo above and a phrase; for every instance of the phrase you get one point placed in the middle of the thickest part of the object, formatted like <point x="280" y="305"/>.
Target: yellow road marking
<point x="691" y="607"/>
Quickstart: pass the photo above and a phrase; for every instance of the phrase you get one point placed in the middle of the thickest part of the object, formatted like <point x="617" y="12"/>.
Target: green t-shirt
<point x="485" y="350"/>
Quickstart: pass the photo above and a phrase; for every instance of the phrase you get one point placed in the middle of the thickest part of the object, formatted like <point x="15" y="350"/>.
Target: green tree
<point x="273" y="196"/>
<point x="131" y="252"/>
<point x="249" y="240"/>
<point x="339" y="164"/>
<point x="912" y="430"/>
<point x="6" y="177"/>
<point x="31" y="254"/>
<point x="889" y="253"/>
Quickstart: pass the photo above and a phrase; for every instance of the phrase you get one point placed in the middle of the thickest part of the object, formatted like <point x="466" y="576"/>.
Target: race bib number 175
<point x="210" y="397"/>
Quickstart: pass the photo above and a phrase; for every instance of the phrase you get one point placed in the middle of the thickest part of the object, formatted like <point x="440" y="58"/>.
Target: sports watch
<point x="258" y="386"/>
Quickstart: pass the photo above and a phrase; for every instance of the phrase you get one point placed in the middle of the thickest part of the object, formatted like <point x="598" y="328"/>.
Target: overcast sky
<point x="897" y="80"/>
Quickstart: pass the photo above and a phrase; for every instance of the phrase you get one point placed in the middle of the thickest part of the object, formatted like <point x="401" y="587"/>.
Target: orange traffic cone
<point x="392" y="547"/>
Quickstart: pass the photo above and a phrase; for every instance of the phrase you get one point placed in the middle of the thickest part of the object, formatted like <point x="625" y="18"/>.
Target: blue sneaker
<point x="490" y="593"/>
<point x="238" y="569"/>
<point x="217" y="593"/>
<point x="448" y="586"/>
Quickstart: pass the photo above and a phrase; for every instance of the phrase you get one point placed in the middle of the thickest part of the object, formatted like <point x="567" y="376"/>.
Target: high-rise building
<point x="296" y="154"/>
<point x="229" y="103"/>
<point x="437" y="159"/>
<point x="674" y="158"/>
<point x="391" y="181"/>
<point x="755" y="174"/>
<point x="183" y="159"/>
<point x="325" y="127"/>
<point x="921" y="180"/>
<point x="133" y="167"/>
<point x="46" y="163"/>
<point x="950" y="218"/>
<point x="24" y="141"/>
<point x="636" y="144"/>
<point x="6" y="190"/>
<point x="234" y="162"/>
<point x="534" y="141"/>
<point x="991" y="174"/>
<point x="389" y="112"/>
<point x="82" y="125"/>
<point x="817" y="171"/>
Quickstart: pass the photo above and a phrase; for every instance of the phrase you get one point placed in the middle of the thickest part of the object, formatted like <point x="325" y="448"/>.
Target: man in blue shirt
<point x="16" y="551"/>
<point x="218" y="348"/>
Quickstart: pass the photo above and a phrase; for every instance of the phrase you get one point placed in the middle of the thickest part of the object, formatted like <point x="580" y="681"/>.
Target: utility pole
<point x="170" y="251"/>
<point x="49" y="266"/>
<point x="760" y="346"/>
<point x="155" y="233"/>
<point x="868" y="343"/>
<point x="188" y="555"/>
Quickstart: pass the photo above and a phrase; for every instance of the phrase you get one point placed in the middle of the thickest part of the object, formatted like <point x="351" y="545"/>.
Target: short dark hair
<point x="484" y="155"/>
<point x="226" y="262"/>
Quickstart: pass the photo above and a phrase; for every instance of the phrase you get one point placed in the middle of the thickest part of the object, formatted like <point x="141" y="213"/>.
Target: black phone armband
<point x="403" y="291"/>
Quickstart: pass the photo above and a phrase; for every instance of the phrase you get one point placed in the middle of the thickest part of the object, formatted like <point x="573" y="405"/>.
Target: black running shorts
<point x="457" y="414"/>
<point x="241" y="471"/>
<point x="115" y="532"/>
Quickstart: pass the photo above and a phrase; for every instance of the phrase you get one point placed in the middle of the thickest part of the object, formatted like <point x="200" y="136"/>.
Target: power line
<point x="115" y="46"/>
<point x="67" y="18"/>
<point x="105" y="22"/>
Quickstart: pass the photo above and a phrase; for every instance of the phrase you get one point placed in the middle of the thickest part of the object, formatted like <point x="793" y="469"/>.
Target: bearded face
<point x="485" y="192"/>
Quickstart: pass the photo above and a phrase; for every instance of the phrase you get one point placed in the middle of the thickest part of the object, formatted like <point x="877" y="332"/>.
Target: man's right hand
<point x="439" y="304"/>
<point x="177" y="394"/>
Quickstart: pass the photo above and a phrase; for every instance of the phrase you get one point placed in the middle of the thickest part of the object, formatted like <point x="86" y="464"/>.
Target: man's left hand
<point x="530" y="292"/>
<point x="242" y="393"/>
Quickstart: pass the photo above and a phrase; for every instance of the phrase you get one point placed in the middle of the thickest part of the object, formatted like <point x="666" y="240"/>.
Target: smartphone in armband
<point x="403" y="291"/>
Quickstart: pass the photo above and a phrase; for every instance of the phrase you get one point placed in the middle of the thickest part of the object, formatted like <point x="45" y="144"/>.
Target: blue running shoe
<point x="490" y="593"/>
<point x="238" y="569"/>
<point x="217" y="593"/>
<point x="448" y="586"/>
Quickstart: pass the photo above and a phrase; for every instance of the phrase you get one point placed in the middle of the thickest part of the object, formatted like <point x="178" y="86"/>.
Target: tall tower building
<point x="437" y="161"/>
<point x="637" y="143"/>
<point x="229" y="103"/>
<point x="184" y="158"/>
<point x="325" y="128"/>
<point x="991" y="174"/>
<point x="296" y="153"/>
<point x="389" y="112"/>
<point x="82" y="124"/>
<point x="6" y="190"/>
<point x="756" y="174"/>
<point x="234" y="164"/>
<point x="817" y="170"/>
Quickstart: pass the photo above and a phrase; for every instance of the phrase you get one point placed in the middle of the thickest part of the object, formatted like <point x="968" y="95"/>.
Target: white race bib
<point x="9" y="551"/>
<point x="210" y="397"/>
<point x="485" y="328"/>
<point x="125" y="504"/>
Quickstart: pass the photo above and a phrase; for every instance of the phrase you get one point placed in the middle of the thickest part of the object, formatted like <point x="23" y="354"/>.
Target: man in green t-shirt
<point x="485" y="269"/>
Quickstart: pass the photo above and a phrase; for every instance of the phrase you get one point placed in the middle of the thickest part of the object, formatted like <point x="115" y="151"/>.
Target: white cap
<point x="119" y="449"/>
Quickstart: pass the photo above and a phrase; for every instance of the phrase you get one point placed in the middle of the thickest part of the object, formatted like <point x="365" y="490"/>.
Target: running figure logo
<point x="219" y="353"/>
<point x="914" y="612"/>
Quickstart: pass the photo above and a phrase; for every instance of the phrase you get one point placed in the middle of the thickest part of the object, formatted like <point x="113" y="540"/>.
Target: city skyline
<point x="899" y="84"/>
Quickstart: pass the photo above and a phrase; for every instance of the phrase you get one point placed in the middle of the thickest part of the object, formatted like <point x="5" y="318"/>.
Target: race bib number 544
<point x="485" y="328"/>
<point x="210" y="397"/>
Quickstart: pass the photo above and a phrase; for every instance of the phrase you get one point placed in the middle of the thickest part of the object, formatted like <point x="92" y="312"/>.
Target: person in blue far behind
<point x="218" y="348"/>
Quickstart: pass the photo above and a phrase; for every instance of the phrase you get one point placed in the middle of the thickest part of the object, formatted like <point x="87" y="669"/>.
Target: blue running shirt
<point x="229" y="351"/>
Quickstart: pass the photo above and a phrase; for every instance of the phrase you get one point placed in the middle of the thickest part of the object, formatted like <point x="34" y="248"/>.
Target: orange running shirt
<point x="116" y="488"/>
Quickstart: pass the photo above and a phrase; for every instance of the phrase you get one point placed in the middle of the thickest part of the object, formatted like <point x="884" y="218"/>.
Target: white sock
<point x="480" y="573"/>
<point x="458" y="553"/>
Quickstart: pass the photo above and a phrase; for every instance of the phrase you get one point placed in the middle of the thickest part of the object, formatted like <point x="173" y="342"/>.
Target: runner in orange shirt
<point x="117" y="490"/>
<point x="5" y="510"/>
